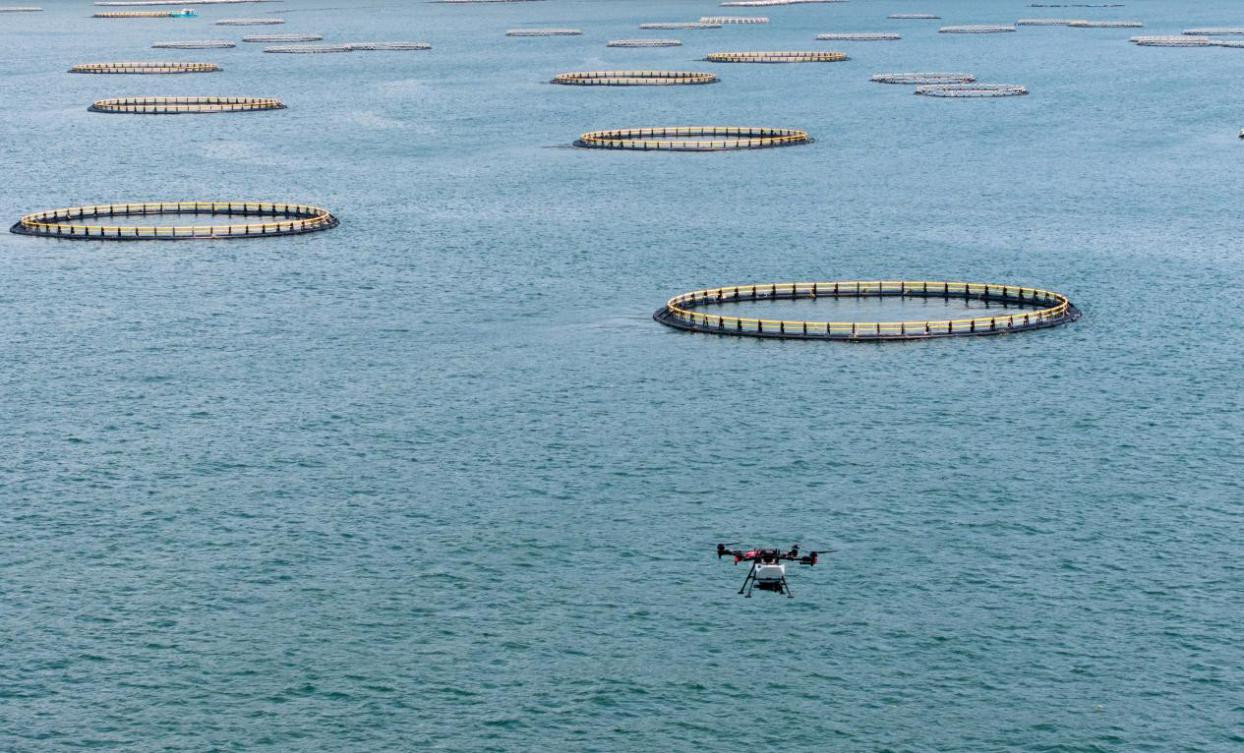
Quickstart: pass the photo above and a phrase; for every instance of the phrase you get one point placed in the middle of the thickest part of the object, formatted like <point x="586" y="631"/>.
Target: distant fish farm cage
<point x="206" y="44"/>
<point x="633" y="78"/>
<point x="923" y="78"/>
<point x="145" y="67"/>
<point x="388" y="46"/>
<point x="770" y="3"/>
<point x="1216" y="31"/>
<point x="283" y="38"/>
<point x="20" y="9"/>
<point x="644" y="43"/>
<point x="1085" y="24"/>
<point x="971" y="90"/>
<point x="1045" y="22"/>
<point x="250" y="22"/>
<point x="676" y="25"/>
<point x="185" y="105"/>
<point x="1021" y="309"/>
<point x="311" y="49"/>
<point x="777" y="56"/>
<point x="133" y="3"/>
<point x="308" y="49"/>
<point x="64" y="223"/>
<point x="1170" y="41"/>
<point x="913" y="16"/>
<point x="726" y="20"/>
<point x="544" y="32"/>
<point x="693" y="138"/>
<point x="857" y="37"/>
<point x="977" y="29"/>
<point x="144" y="14"/>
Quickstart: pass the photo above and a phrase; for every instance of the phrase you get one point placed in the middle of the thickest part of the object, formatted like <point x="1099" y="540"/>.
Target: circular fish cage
<point x="771" y="3"/>
<point x="633" y="78"/>
<point x="1216" y="31"/>
<point x="250" y="22"/>
<point x="676" y="25"/>
<point x="184" y="105"/>
<point x="205" y="44"/>
<point x="645" y="43"/>
<point x="724" y="20"/>
<point x="283" y="38"/>
<point x="140" y="14"/>
<point x="858" y="37"/>
<point x="544" y="32"/>
<point x="971" y="91"/>
<point x="145" y="67"/>
<point x="923" y="78"/>
<point x="977" y="29"/>
<point x="913" y="16"/>
<point x="1226" y="43"/>
<point x="393" y="46"/>
<point x="308" y="49"/>
<point x="1045" y="22"/>
<point x="777" y="56"/>
<point x="1036" y="309"/>
<point x="1082" y="24"/>
<point x="693" y="138"/>
<point x="20" y="9"/>
<point x="1170" y="41"/>
<point x="65" y="223"/>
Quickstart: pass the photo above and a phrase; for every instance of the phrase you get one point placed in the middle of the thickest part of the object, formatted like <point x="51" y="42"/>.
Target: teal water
<point x="434" y="480"/>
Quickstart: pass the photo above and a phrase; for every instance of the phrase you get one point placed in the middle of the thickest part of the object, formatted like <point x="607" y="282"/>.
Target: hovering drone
<point x="767" y="572"/>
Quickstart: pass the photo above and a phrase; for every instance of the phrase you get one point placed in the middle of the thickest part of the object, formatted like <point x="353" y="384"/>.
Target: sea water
<point x="434" y="479"/>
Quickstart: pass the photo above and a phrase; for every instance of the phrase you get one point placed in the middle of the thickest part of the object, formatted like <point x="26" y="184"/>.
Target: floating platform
<point x="688" y="138"/>
<point x="184" y="105"/>
<point x="633" y="78"/>
<point x="1040" y="309"/>
<point x="60" y="223"/>
<point x="777" y="56"/>
<point x="913" y="17"/>
<point x="145" y="67"/>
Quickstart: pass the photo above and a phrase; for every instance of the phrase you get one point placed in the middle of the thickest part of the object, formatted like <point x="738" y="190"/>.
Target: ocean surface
<point x="434" y="480"/>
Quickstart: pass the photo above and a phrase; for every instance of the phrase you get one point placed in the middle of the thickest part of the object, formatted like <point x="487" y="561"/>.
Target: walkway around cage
<point x="56" y="223"/>
<point x="682" y="138"/>
<point x="1042" y="308"/>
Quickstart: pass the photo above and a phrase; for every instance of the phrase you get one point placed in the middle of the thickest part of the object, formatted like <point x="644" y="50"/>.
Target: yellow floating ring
<point x="59" y="223"/>
<point x="684" y="138"/>
<point x="1036" y="309"/>
<point x="145" y="67"/>
<point x="180" y="105"/>
<point x="633" y="78"/>
<point x="785" y="56"/>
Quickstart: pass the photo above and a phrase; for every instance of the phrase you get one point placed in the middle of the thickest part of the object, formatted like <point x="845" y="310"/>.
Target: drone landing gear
<point x="777" y="586"/>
